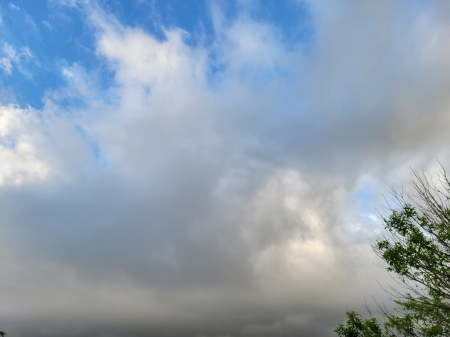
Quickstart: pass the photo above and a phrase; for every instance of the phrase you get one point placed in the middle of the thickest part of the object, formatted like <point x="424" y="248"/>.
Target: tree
<point x="356" y="327"/>
<point x="416" y="249"/>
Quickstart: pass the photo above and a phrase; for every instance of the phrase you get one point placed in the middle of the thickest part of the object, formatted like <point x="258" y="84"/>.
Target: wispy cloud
<point x="5" y="64"/>
<point x="15" y="57"/>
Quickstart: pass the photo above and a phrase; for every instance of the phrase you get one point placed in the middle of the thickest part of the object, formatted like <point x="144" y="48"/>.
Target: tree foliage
<point x="416" y="249"/>
<point x="356" y="327"/>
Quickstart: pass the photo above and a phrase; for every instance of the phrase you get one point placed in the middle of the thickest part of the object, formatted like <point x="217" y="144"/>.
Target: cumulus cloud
<point x="221" y="189"/>
<point x="21" y="163"/>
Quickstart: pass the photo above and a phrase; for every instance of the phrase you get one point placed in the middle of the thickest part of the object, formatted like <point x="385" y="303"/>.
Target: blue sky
<point x="56" y="35"/>
<point x="208" y="168"/>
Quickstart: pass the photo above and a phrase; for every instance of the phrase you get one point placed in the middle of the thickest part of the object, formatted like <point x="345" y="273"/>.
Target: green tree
<point x="416" y="249"/>
<point x="356" y="327"/>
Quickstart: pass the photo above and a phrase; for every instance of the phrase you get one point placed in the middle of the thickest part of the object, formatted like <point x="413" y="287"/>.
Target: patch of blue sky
<point x="154" y="16"/>
<point x="292" y="18"/>
<point x="94" y="148"/>
<point x="56" y="34"/>
<point x="367" y="197"/>
<point x="53" y="34"/>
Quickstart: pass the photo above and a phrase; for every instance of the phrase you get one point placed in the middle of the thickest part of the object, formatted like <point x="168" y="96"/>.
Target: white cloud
<point x="20" y="162"/>
<point x="18" y="58"/>
<point x="5" y="64"/>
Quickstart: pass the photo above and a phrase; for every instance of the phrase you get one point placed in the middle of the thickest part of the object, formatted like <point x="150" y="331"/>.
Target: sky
<point x="208" y="168"/>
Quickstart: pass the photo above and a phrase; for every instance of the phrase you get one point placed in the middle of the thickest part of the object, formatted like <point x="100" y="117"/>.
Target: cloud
<point x="20" y="164"/>
<point x="216" y="189"/>
<point x="14" y="7"/>
<point x="5" y="64"/>
<point x="12" y="56"/>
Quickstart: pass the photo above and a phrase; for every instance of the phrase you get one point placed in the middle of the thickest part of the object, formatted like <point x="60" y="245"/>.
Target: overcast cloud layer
<point x="219" y="188"/>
